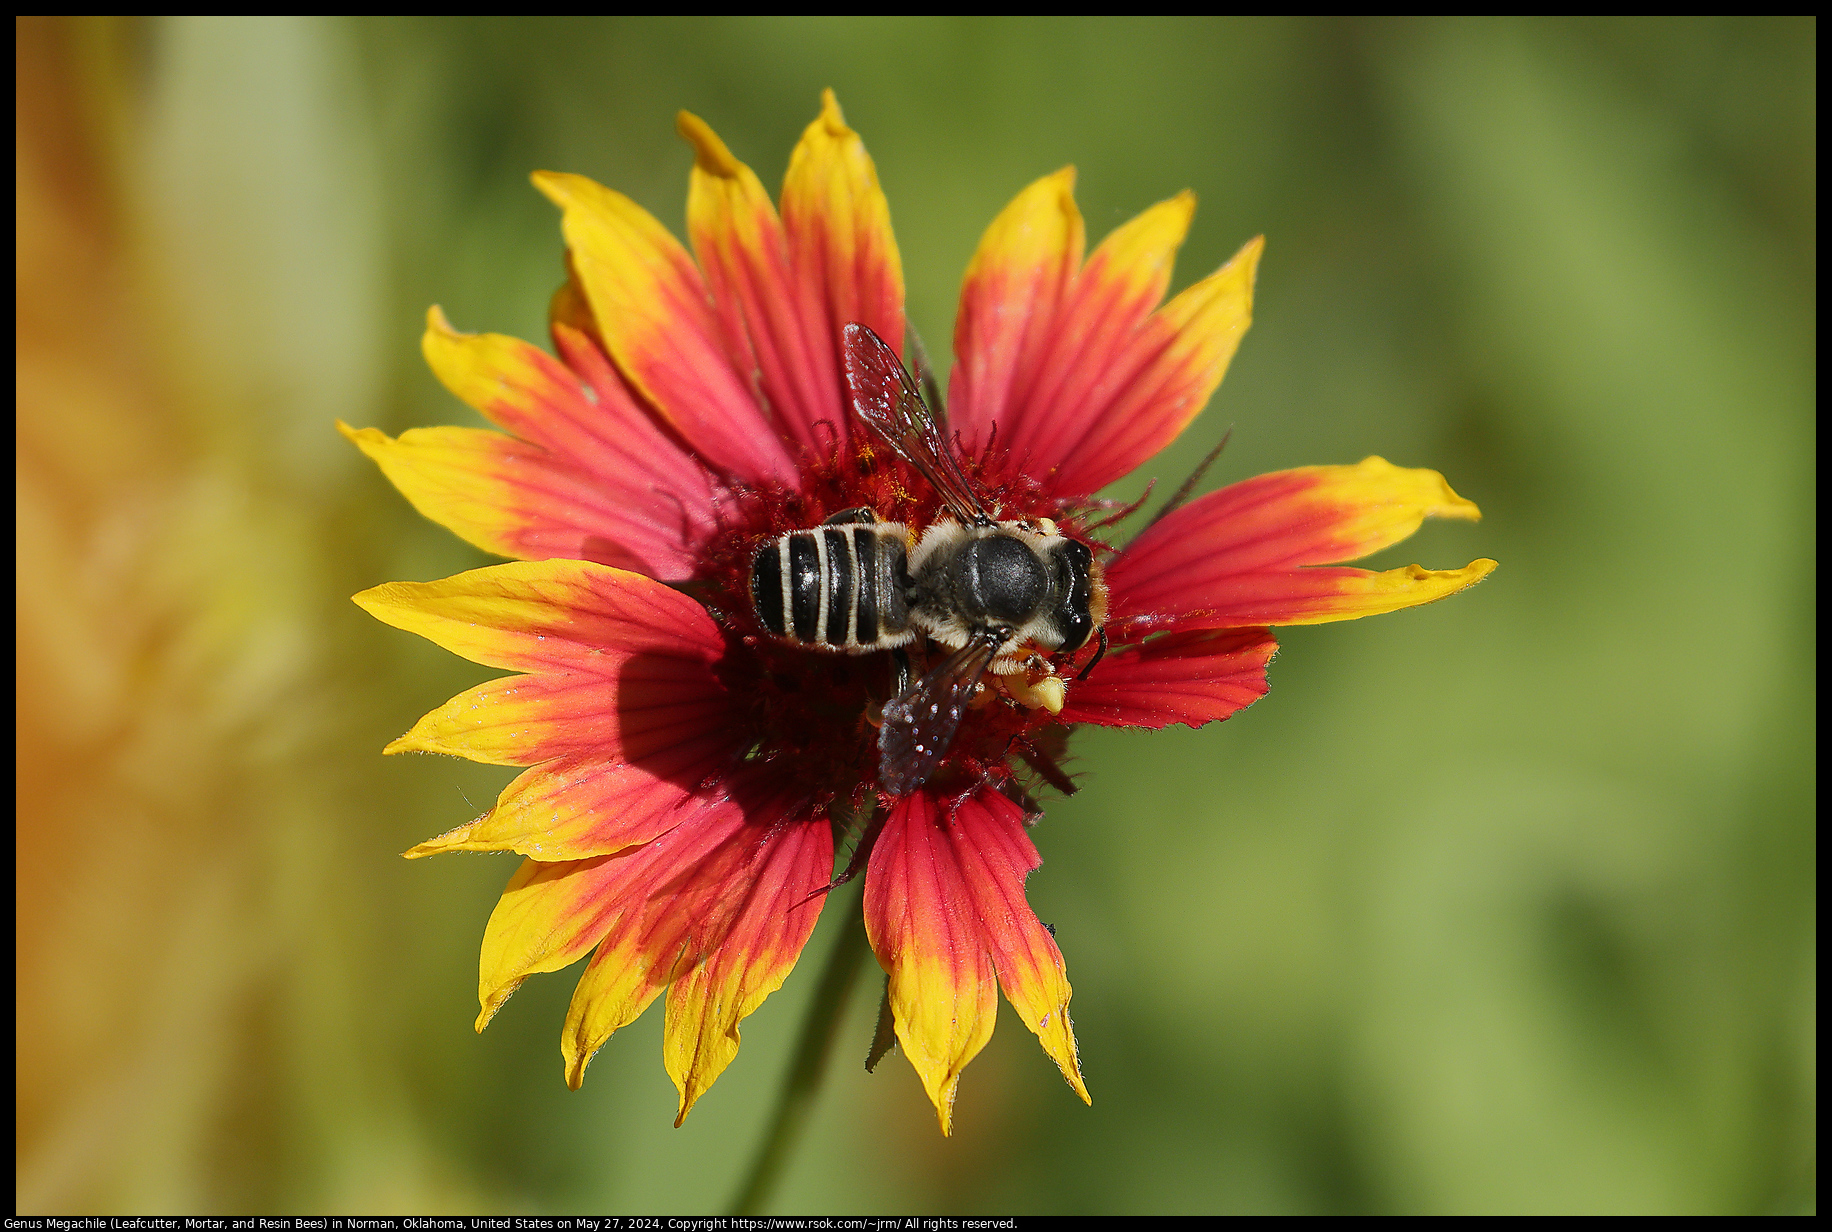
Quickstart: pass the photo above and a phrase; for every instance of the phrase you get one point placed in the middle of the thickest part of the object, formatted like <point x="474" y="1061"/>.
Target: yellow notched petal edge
<point x="1390" y="591"/>
<point x="726" y="202"/>
<point x="1211" y="316"/>
<point x="1387" y="503"/>
<point x="1141" y="251"/>
<point x="942" y="1022"/>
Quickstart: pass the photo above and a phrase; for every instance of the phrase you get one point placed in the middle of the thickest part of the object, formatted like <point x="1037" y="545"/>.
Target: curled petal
<point x="549" y="614"/>
<point x="774" y="323"/>
<point x="652" y="310"/>
<point x="1020" y="275"/>
<point x="946" y="913"/>
<point x="1240" y="556"/>
<point x="744" y="875"/>
<point x="1192" y="678"/>
<point x="838" y="226"/>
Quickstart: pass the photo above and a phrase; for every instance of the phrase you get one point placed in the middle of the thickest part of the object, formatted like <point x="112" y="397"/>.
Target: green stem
<point x="803" y="1082"/>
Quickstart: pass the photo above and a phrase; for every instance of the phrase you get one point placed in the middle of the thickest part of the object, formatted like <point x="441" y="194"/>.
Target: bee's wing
<point x="920" y="724"/>
<point x="890" y="406"/>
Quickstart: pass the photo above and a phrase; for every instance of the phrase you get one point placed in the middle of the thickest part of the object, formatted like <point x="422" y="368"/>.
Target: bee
<point x="996" y="594"/>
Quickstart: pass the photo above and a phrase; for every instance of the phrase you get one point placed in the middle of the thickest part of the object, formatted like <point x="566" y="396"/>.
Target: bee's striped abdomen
<point x="835" y="587"/>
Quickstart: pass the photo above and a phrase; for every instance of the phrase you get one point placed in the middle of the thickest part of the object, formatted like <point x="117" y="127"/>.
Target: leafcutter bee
<point x="995" y="594"/>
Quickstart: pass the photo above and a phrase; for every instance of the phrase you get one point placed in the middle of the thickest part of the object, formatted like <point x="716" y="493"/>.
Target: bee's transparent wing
<point x="919" y="725"/>
<point x="887" y="401"/>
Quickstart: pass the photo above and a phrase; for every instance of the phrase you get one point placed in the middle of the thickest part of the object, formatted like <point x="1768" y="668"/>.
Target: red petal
<point x="1095" y="354"/>
<point x="649" y="703"/>
<point x="651" y="306"/>
<point x="781" y="901"/>
<point x="774" y="324"/>
<point x="664" y="908"/>
<point x="657" y="497"/>
<point x="1172" y="365"/>
<point x="1242" y="556"/>
<point x="586" y="805"/>
<point x="547" y="614"/>
<point x="838" y="226"/>
<point x="518" y="500"/>
<point x="1191" y="678"/>
<point x="946" y="913"/>
<point x="1022" y="271"/>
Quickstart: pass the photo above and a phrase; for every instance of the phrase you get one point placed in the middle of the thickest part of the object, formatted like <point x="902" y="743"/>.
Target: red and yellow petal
<point x="838" y="226"/>
<point x="744" y="877"/>
<point x="774" y="324"/>
<point x="782" y="901"/>
<point x="654" y="498"/>
<point x="649" y="704"/>
<point x="946" y="913"/>
<point x="1096" y="353"/>
<point x="652" y="310"/>
<point x="549" y="916"/>
<point x="1174" y="365"/>
<point x="588" y="804"/>
<point x="550" y="614"/>
<point x="1192" y="678"/>
<point x="1243" y="555"/>
<point x="1023" y="270"/>
<point x="617" y="665"/>
<point x="1310" y="597"/>
<point x="658" y="907"/>
<point x="516" y="499"/>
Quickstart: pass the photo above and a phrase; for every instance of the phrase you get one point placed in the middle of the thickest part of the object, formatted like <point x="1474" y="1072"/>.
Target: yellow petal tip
<point x="559" y="187"/>
<point x="438" y="323"/>
<point x="709" y="153"/>
<point x="456" y="839"/>
<point x="831" y="115"/>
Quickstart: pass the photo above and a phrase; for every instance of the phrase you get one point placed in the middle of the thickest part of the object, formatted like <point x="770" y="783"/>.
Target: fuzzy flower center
<point x="815" y="711"/>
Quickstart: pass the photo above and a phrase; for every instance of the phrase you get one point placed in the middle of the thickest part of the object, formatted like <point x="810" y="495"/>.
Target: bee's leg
<point x="860" y="516"/>
<point x="901" y="684"/>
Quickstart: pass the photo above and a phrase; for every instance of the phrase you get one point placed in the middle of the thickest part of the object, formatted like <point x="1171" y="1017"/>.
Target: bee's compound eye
<point x="1074" y="623"/>
<point x="1006" y="578"/>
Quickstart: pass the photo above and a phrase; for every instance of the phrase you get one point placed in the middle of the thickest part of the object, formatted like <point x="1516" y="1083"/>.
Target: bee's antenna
<point x="1182" y="494"/>
<point x="925" y="373"/>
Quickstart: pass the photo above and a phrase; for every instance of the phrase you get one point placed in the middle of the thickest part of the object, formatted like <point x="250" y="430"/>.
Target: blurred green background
<point x="1502" y="905"/>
